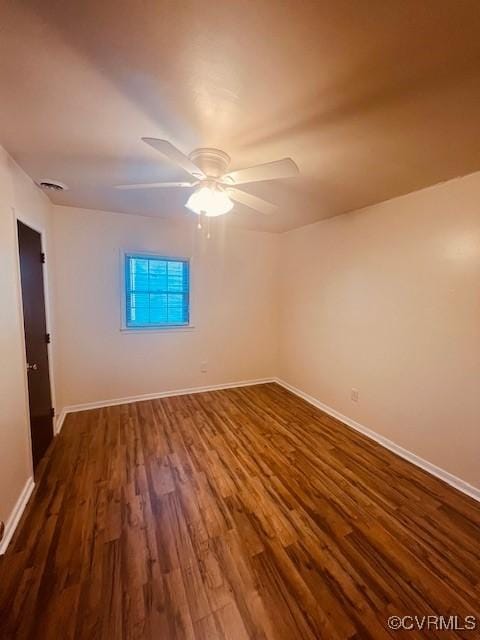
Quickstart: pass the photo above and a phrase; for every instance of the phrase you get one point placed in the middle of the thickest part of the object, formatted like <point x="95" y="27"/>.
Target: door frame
<point x="25" y="219"/>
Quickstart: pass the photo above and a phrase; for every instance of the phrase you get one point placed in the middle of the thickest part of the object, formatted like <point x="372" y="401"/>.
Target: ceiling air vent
<point x="52" y="185"/>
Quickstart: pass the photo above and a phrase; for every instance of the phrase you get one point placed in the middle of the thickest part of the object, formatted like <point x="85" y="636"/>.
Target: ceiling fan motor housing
<point x="213" y="162"/>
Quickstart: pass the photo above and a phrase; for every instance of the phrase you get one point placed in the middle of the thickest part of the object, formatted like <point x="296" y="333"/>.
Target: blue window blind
<point x="156" y="291"/>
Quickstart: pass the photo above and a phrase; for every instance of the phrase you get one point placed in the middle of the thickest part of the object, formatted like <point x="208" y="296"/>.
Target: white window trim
<point x="174" y="328"/>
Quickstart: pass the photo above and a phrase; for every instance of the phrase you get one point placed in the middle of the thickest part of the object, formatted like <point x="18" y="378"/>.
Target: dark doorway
<point x="36" y="339"/>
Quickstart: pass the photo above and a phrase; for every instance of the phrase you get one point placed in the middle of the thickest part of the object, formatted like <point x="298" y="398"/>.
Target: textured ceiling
<point x="371" y="98"/>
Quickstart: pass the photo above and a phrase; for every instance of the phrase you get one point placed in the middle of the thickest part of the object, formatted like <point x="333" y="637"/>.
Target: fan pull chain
<point x="201" y="224"/>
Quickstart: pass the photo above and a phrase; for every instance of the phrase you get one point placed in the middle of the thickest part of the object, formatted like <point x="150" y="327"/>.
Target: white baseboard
<point x="16" y="514"/>
<point x="57" y="427"/>
<point x="454" y="481"/>
<point x="153" y="396"/>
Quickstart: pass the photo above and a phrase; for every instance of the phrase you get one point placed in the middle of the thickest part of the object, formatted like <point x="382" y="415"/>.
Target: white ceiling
<point x="371" y="98"/>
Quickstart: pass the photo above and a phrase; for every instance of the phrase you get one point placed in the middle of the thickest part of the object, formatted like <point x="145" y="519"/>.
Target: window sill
<point x="171" y="329"/>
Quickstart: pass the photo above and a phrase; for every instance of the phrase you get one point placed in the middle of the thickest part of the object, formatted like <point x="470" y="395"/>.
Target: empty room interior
<point x="239" y="320"/>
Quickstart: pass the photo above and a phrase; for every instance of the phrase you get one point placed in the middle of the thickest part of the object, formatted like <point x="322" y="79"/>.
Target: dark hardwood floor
<point x="236" y="514"/>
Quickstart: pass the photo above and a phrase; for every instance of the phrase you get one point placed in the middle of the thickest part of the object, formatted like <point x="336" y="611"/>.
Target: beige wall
<point x="233" y="308"/>
<point x="17" y="192"/>
<point x="387" y="300"/>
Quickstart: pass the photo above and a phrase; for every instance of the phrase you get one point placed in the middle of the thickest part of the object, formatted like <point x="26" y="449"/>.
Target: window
<point x="156" y="291"/>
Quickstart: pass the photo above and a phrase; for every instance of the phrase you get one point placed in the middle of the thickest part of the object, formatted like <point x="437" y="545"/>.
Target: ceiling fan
<point x="214" y="188"/>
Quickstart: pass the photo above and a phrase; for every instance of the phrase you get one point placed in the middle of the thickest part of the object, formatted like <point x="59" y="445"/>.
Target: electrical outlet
<point x="203" y="367"/>
<point x="354" y="395"/>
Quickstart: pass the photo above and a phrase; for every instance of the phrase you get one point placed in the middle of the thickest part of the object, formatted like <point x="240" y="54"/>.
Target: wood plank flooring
<point x="235" y="514"/>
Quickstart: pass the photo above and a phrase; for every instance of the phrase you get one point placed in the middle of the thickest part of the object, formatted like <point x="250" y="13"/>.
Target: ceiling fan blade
<point x="176" y="156"/>
<point x="154" y="185"/>
<point x="254" y="202"/>
<point x="285" y="168"/>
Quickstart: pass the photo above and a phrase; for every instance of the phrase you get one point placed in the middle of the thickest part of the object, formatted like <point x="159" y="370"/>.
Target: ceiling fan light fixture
<point x="216" y="190"/>
<point x="211" y="200"/>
